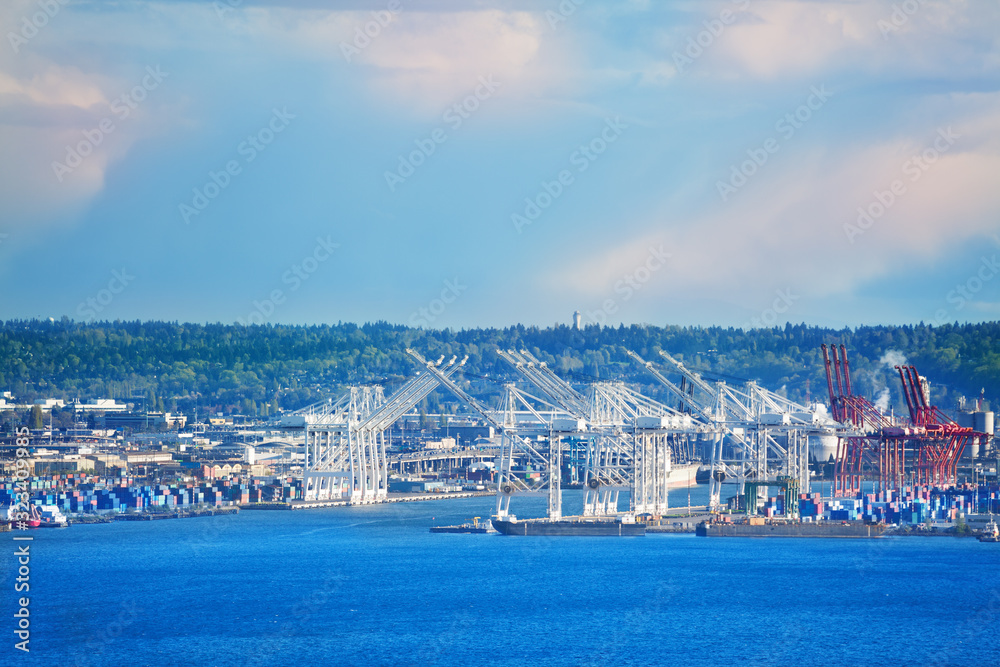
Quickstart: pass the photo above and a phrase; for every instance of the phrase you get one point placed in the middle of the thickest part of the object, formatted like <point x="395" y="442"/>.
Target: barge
<point x="570" y="526"/>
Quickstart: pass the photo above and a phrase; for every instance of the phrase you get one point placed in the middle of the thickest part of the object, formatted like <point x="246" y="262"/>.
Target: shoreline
<point x="94" y="519"/>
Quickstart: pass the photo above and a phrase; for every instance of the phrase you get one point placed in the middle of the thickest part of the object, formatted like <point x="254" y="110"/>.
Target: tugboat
<point x="51" y="517"/>
<point x="474" y="527"/>
<point x="991" y="533"/>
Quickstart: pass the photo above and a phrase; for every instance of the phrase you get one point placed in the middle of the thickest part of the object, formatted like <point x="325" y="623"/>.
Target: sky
<point x="485" y="163"/>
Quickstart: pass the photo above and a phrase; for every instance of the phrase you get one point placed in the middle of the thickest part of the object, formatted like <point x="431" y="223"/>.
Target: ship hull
<point x="587" y="528"/>
<point x="819" y="529"/>
<point x="685" y="474"/>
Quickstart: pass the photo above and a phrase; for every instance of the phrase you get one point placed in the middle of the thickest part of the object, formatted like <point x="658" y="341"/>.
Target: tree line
<point x="258" y="370"/>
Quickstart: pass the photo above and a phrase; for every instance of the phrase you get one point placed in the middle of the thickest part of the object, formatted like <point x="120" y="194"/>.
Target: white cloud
<point x="52" y="86"/>
<point x="433" y="59"/>
<point x="424" y="61"/>
<point x="786" y="227"/>
<point x="781" y="38"/>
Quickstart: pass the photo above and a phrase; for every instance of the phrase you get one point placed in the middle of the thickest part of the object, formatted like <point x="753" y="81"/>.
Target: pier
<point x="392" y="498"/>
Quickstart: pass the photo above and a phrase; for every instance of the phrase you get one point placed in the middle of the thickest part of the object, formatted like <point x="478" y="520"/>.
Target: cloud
<point x="787" y="227"/>
<point x="422" y="60"/>
<point x="53" y="86"/>
<point x="793" y="38"/>
<point x="782" y="38"/>
<point x="40" y="113"/>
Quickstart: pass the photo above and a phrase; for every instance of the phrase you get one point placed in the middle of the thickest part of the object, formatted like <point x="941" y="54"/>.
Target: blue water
<point x="371" y="586"/>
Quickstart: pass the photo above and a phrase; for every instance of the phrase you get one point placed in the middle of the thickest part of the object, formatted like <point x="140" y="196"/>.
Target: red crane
<point x="878" y="448"/>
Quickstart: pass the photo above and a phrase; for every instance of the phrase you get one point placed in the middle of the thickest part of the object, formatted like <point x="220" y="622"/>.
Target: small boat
<point x="991" y="533"/>
<point x="474" y="527"/>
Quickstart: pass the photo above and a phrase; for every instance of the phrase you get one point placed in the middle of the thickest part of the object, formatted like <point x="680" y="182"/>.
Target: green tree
<point x="37" y="420"/>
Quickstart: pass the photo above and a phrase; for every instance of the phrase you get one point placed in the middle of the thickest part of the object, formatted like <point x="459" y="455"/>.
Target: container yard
<point x="81" y="493"/>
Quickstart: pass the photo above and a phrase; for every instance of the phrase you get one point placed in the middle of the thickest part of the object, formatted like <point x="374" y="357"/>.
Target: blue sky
<point x="486" y="163"/>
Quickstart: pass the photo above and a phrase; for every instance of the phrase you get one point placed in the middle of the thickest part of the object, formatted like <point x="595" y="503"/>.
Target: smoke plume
<point x="893" y="358"/>
<point x="882" y="400"/>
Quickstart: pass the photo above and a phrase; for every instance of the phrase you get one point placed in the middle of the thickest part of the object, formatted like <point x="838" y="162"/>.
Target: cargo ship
<point x="685" y="474"/>
<point x="474" y="527"/>
<point x="848" y="529"/>
<point x="30" y="518"/>
<point x="570" y="526"/>
<point x="680" y="475"/>
<point x="703" y="475"/>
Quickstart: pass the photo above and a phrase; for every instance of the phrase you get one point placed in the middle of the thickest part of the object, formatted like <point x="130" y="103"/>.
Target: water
<point x="371" y="586"/>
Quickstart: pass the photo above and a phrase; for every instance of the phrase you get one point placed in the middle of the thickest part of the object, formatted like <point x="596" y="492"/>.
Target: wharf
<point x="819" y="529"/>
<point x="393" y="498"/>
<point x="86" y="519"/>
<point x="189" y="514"/>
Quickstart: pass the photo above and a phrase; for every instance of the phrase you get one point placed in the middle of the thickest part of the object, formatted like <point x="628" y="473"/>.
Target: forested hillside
<point x="258" y="369"/>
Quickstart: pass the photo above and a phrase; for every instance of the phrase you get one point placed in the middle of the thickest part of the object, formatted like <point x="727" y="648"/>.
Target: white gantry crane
<point x="531" y="431"/>
<point x="627" y="435"/>
<point x="757" y="435"/>
<point x="631" y="441"/>
<point x="632" y="448"/>
<point x="345" y="440"/>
